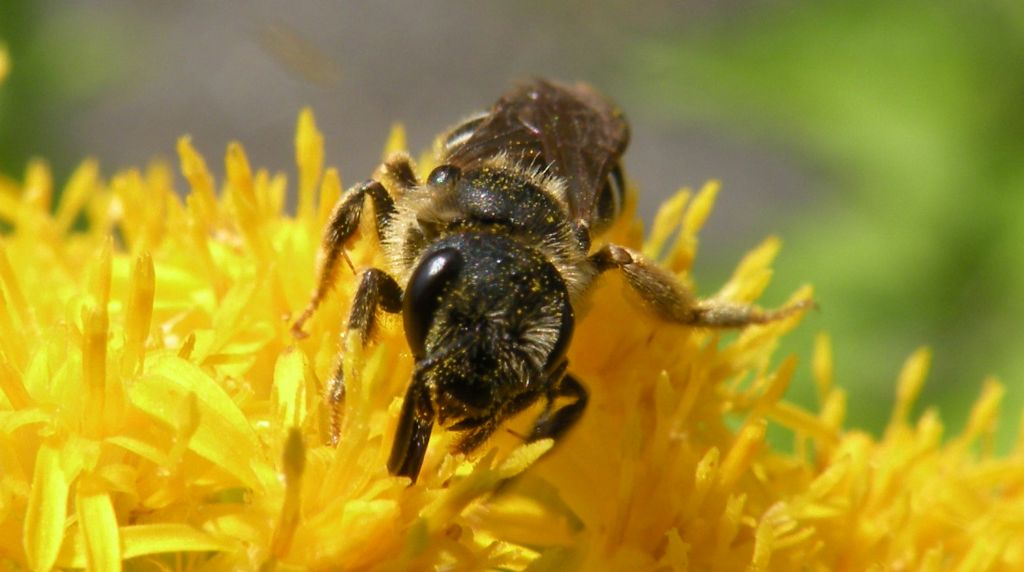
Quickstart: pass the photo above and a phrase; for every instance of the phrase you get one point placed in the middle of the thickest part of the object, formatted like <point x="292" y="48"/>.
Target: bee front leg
<point x="377" y="290"/>
<point x="344" y="221"/>
<point x="399" y="168"/>
<point x="671" y="301"/>
<point x="415" y="423"/>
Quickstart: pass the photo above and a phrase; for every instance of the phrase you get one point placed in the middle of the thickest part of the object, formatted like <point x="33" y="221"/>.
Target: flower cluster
<point x="156" y="410"/>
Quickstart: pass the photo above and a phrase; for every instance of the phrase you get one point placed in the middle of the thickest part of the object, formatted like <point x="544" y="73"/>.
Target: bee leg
<point x="672" y="301"/>
<point x="377" y="290"/>
<point x="554" y="424"/>
<point x="415" y="423"/>
<point x="476" y="436"/>
<point x="344" y="221"/>
<point x="398" y="167"/>
<point x="478" y="430"/>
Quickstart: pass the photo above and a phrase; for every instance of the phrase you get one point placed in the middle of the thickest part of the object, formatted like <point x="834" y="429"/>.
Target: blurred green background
<point x="884" y="141"/>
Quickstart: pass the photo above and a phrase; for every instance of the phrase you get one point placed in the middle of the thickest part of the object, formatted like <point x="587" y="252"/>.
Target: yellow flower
<point x="155" y="409"/>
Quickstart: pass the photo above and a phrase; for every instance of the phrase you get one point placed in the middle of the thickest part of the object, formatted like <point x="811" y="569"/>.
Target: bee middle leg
<point x="377" y="291"/>
<point x="478" y="431"/>
<point x="672" y="301"/>
<point x="553" y="424"/>
<point x="345" y="220"/>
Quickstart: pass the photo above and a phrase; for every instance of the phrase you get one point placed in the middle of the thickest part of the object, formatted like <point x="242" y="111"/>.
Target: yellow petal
<point x="985" y="411"/>
<point x="146" y="539"/>
<point x="294" y="462"/>
<point x="291" y="383"/>
<point x="753" y="273"/>
<point x="223" y="436"/>
<point x="13" y="386"/>
<point x="14" y="292"/>
<point x="330" y="192"/>
<point x="139" y="314"/>
<point x="309" y="156"/>
<point x="77" y="192"/>
<point x="12" y="339"/>
<point x="396" y="141"/>
<point x="243" y="199"/>
<point x="47" y="508"/>
<point x="193" y="167"/>
<point x="143" y="539"/>
<point x="911" y="379"/>
<point x="38" y="187"/>
<point x="666" y="221"/>
<point x="684" y="250"/>
<point x="738" y="459"/>
<point x="821" y="363"/>
<point x="98" y="523"/>
<point x="94" y="352"/>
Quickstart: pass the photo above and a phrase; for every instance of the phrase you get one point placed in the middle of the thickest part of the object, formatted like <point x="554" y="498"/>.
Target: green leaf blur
<point x="62" y="61"/>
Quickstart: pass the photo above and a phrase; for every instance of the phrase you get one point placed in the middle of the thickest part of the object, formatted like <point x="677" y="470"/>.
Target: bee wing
<point x="583" y="136"/>
<point x="572" y="132"/>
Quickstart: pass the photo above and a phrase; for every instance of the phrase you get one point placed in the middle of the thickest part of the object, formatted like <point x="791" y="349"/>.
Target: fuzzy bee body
<point x="498" y="195"/>
<point x="489" y="257"/>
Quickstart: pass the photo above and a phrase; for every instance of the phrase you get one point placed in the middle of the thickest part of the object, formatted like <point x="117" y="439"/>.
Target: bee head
<point x="487" y="319"/>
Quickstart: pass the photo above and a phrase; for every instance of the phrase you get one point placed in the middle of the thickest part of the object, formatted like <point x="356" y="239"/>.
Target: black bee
<point x="490" y="256"/>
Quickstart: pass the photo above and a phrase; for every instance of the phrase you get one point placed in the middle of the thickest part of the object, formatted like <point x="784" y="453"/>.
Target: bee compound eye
<point x="423" y="295"/>
<point x="612" y="196"/>
<point x="443" y="175"/>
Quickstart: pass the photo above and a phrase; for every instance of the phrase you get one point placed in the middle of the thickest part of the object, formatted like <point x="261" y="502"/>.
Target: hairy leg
<point x="671" y="301"/>
<point x="344" y="221"/>
<point x="377" y="291"/>
<point x="554" y="423"/>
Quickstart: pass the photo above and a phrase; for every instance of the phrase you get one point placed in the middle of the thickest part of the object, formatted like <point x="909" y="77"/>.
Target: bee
<point x="489" y="260"/>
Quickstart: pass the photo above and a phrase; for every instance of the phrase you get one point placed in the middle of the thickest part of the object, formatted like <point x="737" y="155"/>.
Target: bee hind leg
<point x="671" y="301"/>
<point x="377" y="291"/>
<point x="343" y="223"/>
